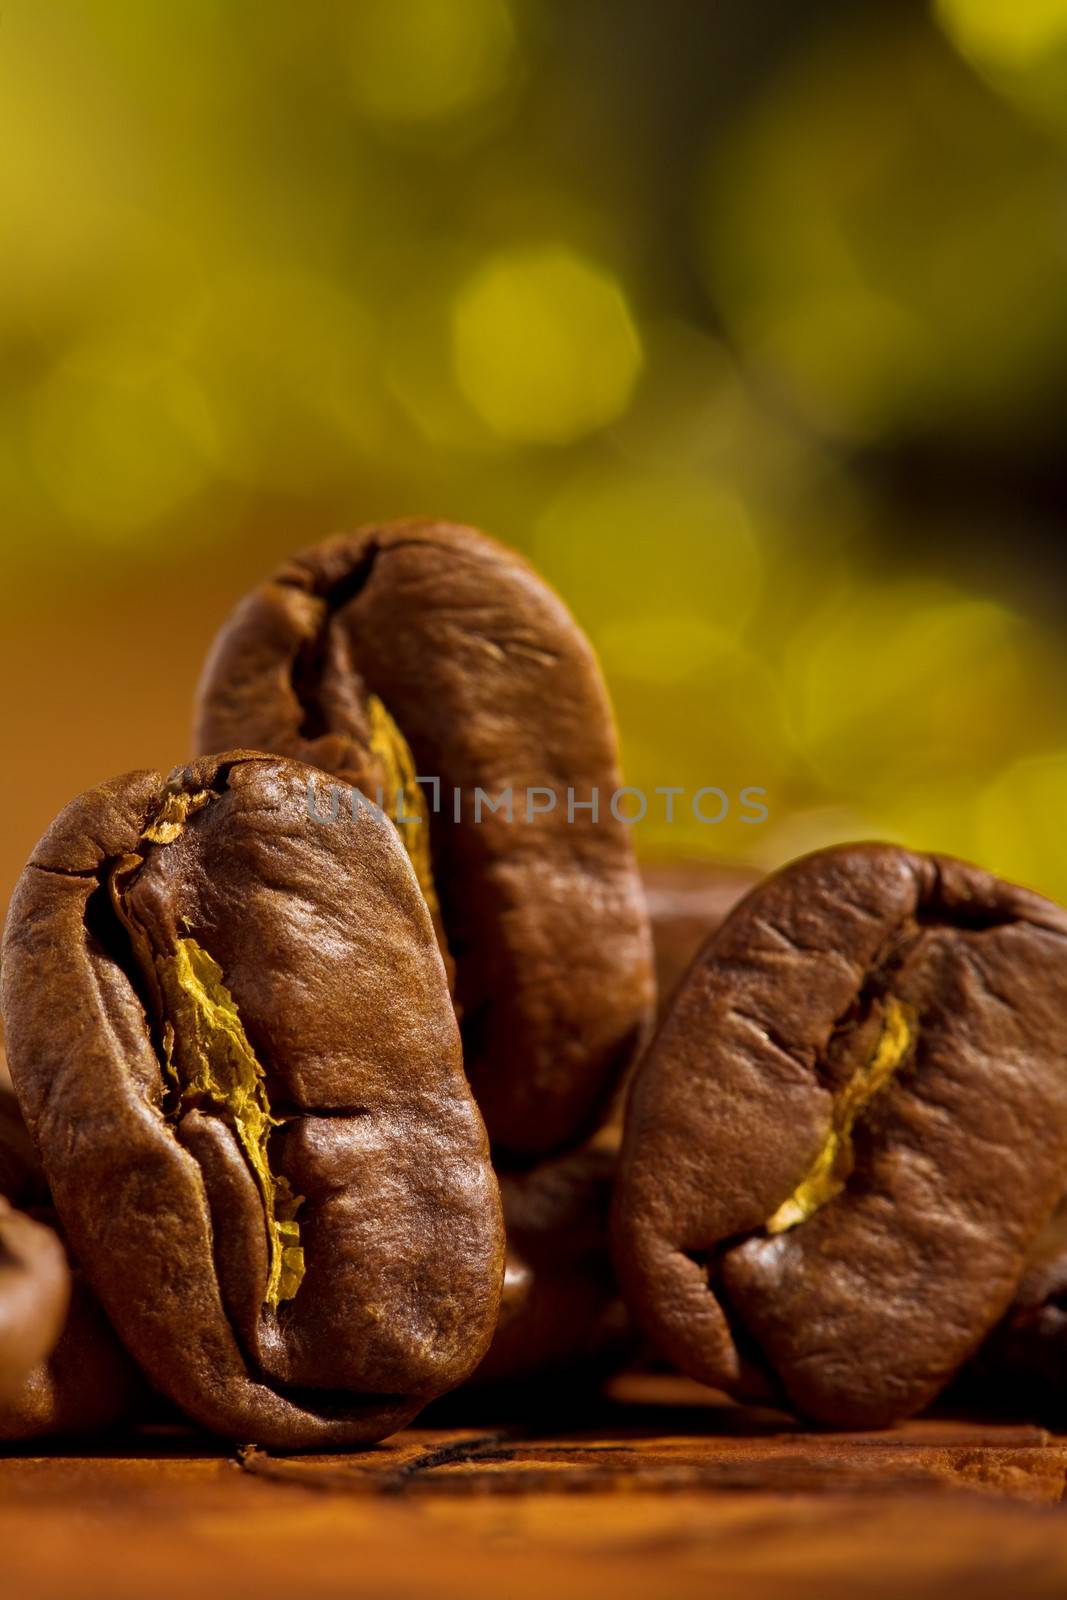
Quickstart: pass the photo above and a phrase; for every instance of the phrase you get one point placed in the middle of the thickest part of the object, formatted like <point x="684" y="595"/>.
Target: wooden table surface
<point x="658" y="1490"/>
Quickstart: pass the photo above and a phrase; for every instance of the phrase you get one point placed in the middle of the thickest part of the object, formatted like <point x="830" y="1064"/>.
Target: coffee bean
<point x="426" y="649"/>
<point x="34" y="1293"/>
<point x="848" y="1133"/>
<point x="231" y="1034"/>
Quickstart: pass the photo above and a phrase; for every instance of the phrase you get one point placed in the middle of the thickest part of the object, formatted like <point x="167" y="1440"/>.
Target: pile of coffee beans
<point x="335" y="1089"/>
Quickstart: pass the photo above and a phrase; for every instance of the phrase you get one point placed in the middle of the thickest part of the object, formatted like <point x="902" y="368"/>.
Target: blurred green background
<point x="746" y="321"/>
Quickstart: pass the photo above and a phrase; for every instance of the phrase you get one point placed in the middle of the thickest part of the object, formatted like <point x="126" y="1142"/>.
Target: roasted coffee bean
<point x="85" y="1384"/>
<point x="561" y="1315"/>
<point x="34" y="1293"/>
<point x="560" y="1312"/>
<point x="848" y="1133"/>
<point x="34" y="1280"/>
<point x="687" y="902"/>
<point x="22" y="1181"/>
<point x="1022" y="1366"/>
<point x="231" y="1034"/>
<point x="84" y="1380"/>
<point x="422" y="649"/>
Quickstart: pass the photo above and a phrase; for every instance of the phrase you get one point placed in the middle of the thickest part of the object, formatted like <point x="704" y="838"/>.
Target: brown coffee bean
<point x="21" y="1180"/>
<point x="84" y="1380"/>
<point x="426" y="649"/>
<point x="230" y="1031"/>
<point x="560" y="1312"/>
<point x="561" y="1315"/>
<point x="1023" y="1364"/>
<point x="34" y="1293"/>
<point x="848" y="1133"/>
<point x="86" y="1383"/>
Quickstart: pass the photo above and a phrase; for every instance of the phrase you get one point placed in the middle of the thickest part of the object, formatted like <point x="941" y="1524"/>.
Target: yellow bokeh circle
<point x="1016" y="34"/>
<point x="544" y="345"/>
<point x="417" y="61"/>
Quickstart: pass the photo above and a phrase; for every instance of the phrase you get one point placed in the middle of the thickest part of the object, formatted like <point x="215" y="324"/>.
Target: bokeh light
<point x="891" y="682"/>
<point x="545" y="347"/>
<point x="119" y="436"/>
<point x="414" y="61"/>
<point x="862" y="229"/>
<point x="1020" y="51"/>
<point x="1020" y="820"/>
<point x="747" y="324"/>
<point x="708" y="587"/>
<point x="289" y="363"/>
<point x="1013" y="35"/>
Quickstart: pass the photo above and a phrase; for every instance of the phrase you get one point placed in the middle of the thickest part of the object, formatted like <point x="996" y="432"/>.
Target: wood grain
<point x="659" y="1490"/>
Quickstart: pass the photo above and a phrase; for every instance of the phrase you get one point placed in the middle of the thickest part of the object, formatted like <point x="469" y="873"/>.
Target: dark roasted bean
<point x="425" y="649"/>
<point x="231" y="1034"/>
<point x="848" y="1132"/>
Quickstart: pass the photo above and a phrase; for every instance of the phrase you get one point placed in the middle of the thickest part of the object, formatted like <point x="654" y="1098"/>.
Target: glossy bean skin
<point x="494" y="691"/>
<point x="215" y="1003"/>
<point x="848" y="1132"/>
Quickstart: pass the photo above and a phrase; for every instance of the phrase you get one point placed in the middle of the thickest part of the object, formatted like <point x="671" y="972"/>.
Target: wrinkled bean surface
<point x="231" y="1034"/>
<point x="848" y="1132"/>
<point x="426" y="649"/>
